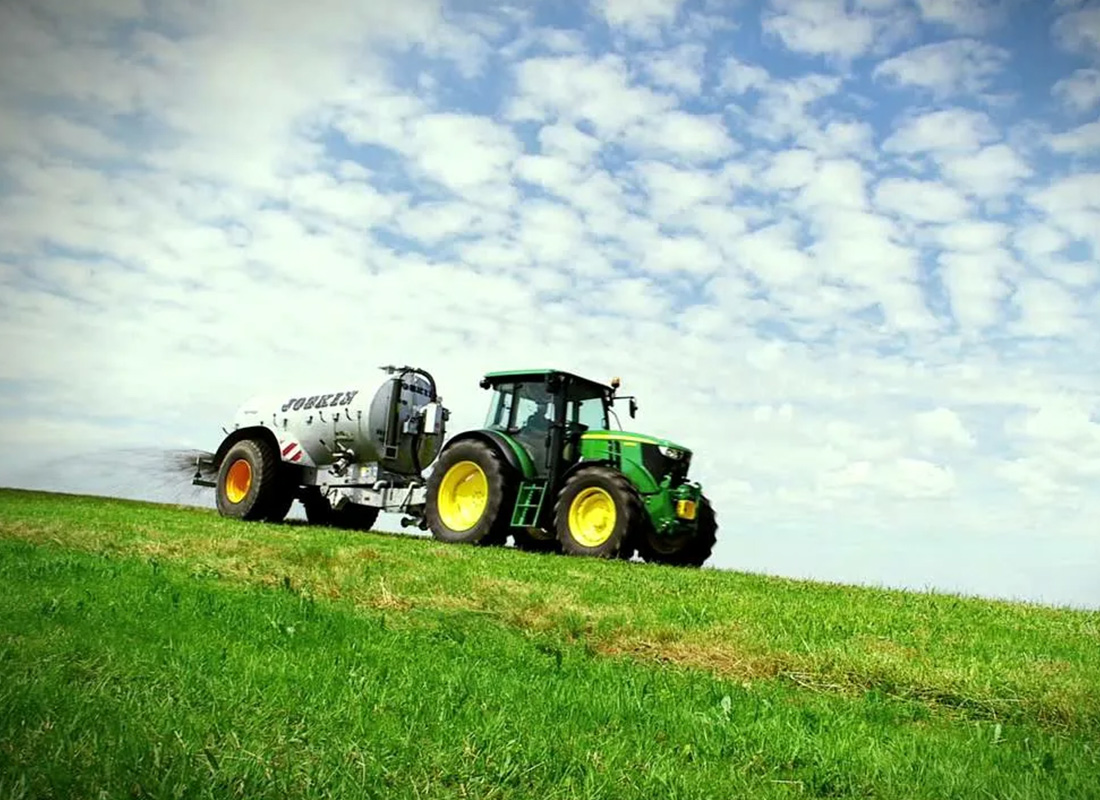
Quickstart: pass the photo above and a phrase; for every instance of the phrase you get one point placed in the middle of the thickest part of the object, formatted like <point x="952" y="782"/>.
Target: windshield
<point x="500" y="407"/>
<point x="519" y="406"/>
<point x="586" y="407"/>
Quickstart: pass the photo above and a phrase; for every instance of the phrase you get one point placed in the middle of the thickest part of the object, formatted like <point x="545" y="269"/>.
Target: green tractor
<point x="547" y="470"/>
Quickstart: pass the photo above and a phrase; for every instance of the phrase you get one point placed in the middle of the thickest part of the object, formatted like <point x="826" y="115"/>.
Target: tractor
<point x="547" y="470"/>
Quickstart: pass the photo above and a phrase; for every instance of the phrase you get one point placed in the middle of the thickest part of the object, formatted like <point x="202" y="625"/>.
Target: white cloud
<point x="909" y="478"/>
<point x="461" y="151"/>
<point x="993" y="172"/>
<point x="1083" y="140"/>
<point x="1046" y="309"/>
<point x="976" y="286"/>
<point x="676" y="194"/>
<point x="828" y="28"/>
<point x="955" y="67"/>
<point x="680" y="68"/>
<point x="577" y="88"/>
<point x="641" y="17"/>
<point x="942" y="426"/>
<point x="566" y="141"/>
<point x="681" y="254"/>
<point x="964" y="16"/>
<point x="1037" y="241"/>
<point x="771" y="253"/>
<point x="923" y="201"/>
<point x="1079" y="31"/>
<point x="789" y="169"/>
<point x="1061" y="419"/>
<point x="1080" y="91"/>
<point x="945" y="130"/>
<point x="693" y="137"/>
<point x="784" y="109"/>
<point x="820" y="28"/>
<point x="739" y="77"/>
<point x="973" y="235"/>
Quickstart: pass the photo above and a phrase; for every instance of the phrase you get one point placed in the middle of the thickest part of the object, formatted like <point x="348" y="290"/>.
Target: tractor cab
<point x="547" y="412"/>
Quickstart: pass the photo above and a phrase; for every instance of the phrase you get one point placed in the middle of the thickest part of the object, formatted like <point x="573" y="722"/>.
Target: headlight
<point x="674" y="453"/>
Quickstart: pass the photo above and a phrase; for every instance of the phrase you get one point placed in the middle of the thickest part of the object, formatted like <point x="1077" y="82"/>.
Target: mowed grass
<point x="153" y="651"/>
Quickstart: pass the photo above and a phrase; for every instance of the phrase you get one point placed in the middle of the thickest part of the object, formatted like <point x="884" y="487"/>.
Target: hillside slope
<point x="149" y="649"/>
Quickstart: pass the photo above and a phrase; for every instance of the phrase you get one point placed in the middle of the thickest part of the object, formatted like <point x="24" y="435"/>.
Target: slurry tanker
<point x="545" y="469"/>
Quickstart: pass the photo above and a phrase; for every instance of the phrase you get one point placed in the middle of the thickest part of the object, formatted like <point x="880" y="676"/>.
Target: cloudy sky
<point x="847" y="251"/>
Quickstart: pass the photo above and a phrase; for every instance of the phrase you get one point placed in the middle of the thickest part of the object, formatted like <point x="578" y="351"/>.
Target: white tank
<point x="315" y="428"/>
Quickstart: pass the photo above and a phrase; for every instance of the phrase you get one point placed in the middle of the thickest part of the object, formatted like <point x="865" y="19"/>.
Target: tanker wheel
<point x="250" y="485"/>
<point x="536" y="540"/>
<point x="470" y="495"/>
<point x="352" y="516"/>
<point x="317" y="507"/>
<point x="686" y="550"/>
<point x="595" y="513"/>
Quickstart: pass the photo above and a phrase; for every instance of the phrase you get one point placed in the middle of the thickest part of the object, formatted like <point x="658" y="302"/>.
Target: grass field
<point x="152" y="651"/>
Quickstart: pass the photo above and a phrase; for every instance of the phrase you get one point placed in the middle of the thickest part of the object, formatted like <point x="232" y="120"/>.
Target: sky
<point x="848" y="252"/>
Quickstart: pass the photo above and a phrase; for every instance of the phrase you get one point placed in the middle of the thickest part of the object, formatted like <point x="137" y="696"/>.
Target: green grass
<point x="154" y="651"/>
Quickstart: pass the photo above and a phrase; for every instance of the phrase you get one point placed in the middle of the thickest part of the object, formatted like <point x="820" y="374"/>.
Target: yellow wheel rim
<point x="592" y="517"/>
<point x="463" y="496"/>
<point x="238" y="480"/>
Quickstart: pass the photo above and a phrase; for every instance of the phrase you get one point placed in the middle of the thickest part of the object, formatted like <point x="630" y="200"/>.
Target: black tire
<point x="686" y="550"/>
<point x="317" y="507"/>
<point x="352" y="516"/>
<point x="493" y="524"/>
<point x="283" y="499"/>
<point x="250" y="485"/>
<point x="598" y="482"/>
<point x="281" y="506"/>
<point x="535" y="540"/>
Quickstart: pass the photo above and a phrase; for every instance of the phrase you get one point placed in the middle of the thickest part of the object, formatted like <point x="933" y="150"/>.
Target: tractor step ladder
<point x="528" y="504"/>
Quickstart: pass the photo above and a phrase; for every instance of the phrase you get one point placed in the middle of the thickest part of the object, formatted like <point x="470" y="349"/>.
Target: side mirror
<point x="633" y="407"/>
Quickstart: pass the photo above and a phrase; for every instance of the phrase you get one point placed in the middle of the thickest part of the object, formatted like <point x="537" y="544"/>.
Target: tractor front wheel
<point x="470" y="495"/>
<point x="686" y="550"/>
<point x="595" y="512"/>
<point x="250" y="485"/>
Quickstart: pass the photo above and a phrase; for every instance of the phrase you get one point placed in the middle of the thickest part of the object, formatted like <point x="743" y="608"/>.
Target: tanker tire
<point x="629" y="512"/>
<point x="263" y="483"/>
<point x="535" y="541"/>
<point x="684" y="552"/>
<point x="284" y="498"/>
<point x="317" y="507"/>
<point x="494" y="524"/>
<point x="352" y="516"/>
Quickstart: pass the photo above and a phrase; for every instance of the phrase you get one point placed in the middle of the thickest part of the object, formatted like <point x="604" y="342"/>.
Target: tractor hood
<point x="629" y="436"/>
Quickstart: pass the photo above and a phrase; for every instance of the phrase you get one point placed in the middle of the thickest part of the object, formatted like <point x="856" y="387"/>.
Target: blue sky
<point x="848" y="252"/>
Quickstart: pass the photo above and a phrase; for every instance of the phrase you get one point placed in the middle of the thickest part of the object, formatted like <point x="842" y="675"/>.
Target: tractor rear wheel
<point x="596" y="511"/>
<point x="470" y="494"/>
<point x="686" y="550"/>
<point x="249" y="484"/>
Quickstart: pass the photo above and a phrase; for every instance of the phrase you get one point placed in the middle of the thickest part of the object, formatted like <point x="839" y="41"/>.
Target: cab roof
<point x="500" y="376"/>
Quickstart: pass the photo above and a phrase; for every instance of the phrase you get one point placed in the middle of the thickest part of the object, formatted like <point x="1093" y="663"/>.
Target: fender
<point x="254" y="432"/>
<point x="517" y="459"/>
<point x="595" y="462"/>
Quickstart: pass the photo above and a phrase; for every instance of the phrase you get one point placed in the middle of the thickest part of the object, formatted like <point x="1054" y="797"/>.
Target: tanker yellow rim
<point x="238" y="480"/>
<point x="592" y="516"/>
<point x="463" y="496"/>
